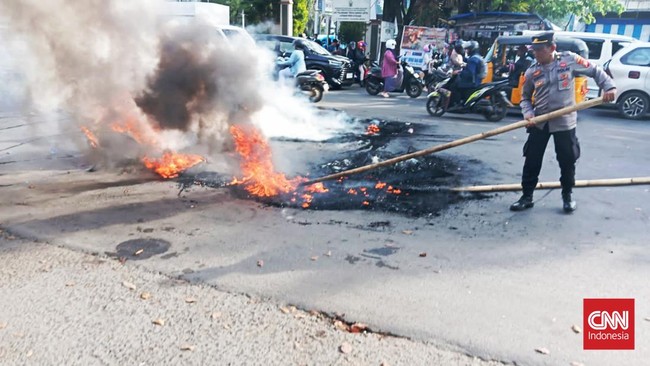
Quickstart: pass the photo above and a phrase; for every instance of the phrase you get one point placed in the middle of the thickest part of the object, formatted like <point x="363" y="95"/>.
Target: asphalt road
<point x="473" y="276"/>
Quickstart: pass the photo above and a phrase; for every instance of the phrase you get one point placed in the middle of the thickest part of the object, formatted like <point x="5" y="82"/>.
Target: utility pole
<point x="243" y="19"/>
<point x="286" y="17"/>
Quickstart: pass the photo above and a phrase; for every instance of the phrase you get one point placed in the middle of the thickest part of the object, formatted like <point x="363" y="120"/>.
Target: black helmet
<point x="299" y="44"/>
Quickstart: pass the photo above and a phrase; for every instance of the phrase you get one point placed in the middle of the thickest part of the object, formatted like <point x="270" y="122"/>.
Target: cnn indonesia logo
<point x="608" y="323"/>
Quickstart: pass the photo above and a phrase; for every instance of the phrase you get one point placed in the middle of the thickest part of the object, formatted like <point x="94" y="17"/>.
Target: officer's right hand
<point x="610" y="95"/>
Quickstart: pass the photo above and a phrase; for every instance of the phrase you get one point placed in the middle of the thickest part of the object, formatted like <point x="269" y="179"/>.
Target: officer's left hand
<point x="610" y="95"/>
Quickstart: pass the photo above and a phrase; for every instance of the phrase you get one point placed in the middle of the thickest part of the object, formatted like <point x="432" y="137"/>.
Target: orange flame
<point x="171" y="164"/>
<point x="260" y="178"/>
<point x="136" y="132"/>
<point x="372" y="129"/>
<point x="317" y="188"/>
<point x="92" y="139"/>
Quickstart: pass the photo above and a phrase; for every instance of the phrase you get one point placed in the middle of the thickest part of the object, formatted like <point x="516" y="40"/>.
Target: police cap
<point x="543" y="39"/>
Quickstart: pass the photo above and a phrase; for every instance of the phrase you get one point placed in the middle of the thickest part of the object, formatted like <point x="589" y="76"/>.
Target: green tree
<point x="554" y="9"/>
<point x="351" y="31"/>
<point x="300" y="16"/>
<point x="256" y="11"/>
<point x="260" y="11"/>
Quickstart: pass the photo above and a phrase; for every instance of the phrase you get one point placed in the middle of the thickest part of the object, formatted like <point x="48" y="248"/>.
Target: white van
<point x="602" y="46"/>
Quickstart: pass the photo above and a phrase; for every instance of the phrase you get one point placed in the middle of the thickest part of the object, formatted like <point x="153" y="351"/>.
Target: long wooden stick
<point x="463" y="141"/>
<point x="552" y="185"/>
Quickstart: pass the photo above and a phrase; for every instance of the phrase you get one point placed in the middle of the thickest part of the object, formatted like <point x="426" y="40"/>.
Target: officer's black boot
<point x="568" y="204"/>
<point x="526" y="201"/>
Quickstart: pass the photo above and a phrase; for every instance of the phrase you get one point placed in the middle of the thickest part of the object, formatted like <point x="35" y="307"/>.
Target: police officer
<point x="551" y="82"/>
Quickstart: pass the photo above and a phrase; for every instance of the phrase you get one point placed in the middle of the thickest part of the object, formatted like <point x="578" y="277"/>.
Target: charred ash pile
<point x="414" y="187"/>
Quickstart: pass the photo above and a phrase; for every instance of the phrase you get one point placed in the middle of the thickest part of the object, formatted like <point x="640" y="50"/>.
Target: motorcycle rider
<point x="468" y="78"/>
<point x="296" y="62"/>
<point x="357" y="56"/>
<point x="360" y="60"/>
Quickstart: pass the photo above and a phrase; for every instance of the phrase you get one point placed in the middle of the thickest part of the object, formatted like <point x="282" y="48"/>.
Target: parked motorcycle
<point x="411" y="82"/>
<point x="488" y="99"/>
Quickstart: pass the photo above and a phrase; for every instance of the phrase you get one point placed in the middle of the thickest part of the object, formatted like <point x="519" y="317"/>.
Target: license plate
<point x="349" y="75"/>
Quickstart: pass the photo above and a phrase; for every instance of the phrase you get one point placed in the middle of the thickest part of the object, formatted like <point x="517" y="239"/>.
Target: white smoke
<point x="113" y="62"/>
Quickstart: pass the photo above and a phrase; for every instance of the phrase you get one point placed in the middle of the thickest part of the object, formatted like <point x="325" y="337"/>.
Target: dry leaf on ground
<point x="260" y="263"/>
<point x="187" y="347"/>
<point x="145" y="296"/>
<point x="358" y="328"/>
<point x="215" y="315"/>
<point x="285" y="310"/>
<point x="314" y="258"/>
<point x="69" y="284"/>
<point x="329" y="253"/>
<point x="190" y="300"/>
<point x="3" y="325"/>
<point x="158" y="321"/>
<point x="576" y="329"/>
<point x="341" y="326"/>
<point x="138" y="252"/>
<point x="345" y="348"/>
<point x="128" y="285"/>
<point x="423" y="254"/>
<point x="542" y="350"/>
<point x="407" y="232"/>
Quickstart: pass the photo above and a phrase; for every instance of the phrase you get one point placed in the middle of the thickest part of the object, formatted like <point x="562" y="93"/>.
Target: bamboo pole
<point x="552" y="185"/>
<point x="463" y="141"/>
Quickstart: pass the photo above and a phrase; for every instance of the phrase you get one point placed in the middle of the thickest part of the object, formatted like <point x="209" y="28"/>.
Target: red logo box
<point x="608" y="323"/>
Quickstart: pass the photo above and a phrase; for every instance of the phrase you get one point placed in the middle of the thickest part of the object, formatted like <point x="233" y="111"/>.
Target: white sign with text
<point x="351" y="10"/>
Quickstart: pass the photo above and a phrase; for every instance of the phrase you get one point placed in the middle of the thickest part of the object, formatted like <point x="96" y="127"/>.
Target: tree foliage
<point x="555" y="9"/>
<point x="351" y="31"/>
<point x="428" y="12"/>
<point x="260" y="11"/>
<point x="300" y="16"/>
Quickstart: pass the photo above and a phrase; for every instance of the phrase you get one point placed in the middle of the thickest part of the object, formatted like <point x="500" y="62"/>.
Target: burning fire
<point x="372" y="129"/>
<point x="136" y="132"/>
<point x="92" y="139"/>
<point x="171" y="164"/>
<point x="260" y="178"/>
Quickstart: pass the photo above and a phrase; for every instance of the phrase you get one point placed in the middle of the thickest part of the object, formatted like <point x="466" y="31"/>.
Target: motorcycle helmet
<point x="361" y="45"/>
<point x="390" y="44"/>
<point x="471" y="46"/>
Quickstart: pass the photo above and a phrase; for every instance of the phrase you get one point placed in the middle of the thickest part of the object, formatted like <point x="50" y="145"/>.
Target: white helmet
<point x="390" y="44"/>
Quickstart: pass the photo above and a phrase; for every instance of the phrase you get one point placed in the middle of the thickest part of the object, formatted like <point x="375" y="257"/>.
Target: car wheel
<point x="633" y="105"/>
